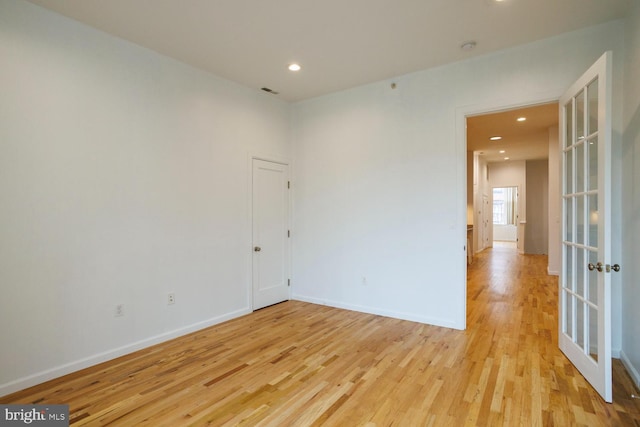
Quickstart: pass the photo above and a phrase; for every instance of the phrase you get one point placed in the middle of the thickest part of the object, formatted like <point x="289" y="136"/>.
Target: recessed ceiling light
<point x="294" y="67"/>
<point x="495" y="138"/>
<point x="521" y="119"/>
<point x="468" y="45"/>
<point x="502" y="151"/>
<point x="506" y="158"/>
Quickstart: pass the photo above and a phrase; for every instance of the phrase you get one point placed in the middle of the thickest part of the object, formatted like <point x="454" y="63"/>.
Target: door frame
<point x="517" y="224"/>
<point x="532" y="99"/>
<point x="488" y="107"/>
<point x="249" y="239"/>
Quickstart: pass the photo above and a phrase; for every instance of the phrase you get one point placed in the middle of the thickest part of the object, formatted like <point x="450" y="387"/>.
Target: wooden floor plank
<point x="302" y="364"/>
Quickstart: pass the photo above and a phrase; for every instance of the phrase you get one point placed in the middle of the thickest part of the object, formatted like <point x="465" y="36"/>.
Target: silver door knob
<point x="257" y="249"/>
<point x="615" y="267"/>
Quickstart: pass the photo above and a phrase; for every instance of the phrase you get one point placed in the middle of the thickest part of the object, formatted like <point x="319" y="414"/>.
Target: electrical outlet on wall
<point x="171" y="298"/>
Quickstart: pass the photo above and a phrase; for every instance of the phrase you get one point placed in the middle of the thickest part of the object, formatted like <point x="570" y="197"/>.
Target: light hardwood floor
<point x="301" y="364"/>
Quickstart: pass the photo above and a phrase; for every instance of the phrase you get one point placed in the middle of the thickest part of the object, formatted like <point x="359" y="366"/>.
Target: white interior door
<point x="585" y="292"/>
<point x="270" y="201"/>
<point x="487" y="212"/>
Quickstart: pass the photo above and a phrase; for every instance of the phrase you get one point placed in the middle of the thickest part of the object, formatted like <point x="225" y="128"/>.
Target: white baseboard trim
<point x="633" y="372"/>
<point x="552" y="272"/>
<point x="58" y="371"/>
<point x="377" y="311"/>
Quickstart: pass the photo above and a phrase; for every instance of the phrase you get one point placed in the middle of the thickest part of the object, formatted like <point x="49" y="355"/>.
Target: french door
<point x="585" y="282"/>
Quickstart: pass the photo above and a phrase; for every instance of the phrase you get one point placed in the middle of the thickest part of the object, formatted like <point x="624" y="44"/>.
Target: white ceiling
<point x="339" y="43"/>
<point x="526" y="140"/>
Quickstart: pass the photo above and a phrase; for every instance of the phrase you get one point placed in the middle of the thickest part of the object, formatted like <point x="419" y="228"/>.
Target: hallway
<point x="512" y="309"/>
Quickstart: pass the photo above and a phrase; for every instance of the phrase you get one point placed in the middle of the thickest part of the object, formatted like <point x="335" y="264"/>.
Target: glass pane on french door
<point x="580" y="222"/>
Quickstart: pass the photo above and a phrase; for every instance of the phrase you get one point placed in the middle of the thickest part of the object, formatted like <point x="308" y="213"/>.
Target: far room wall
<point x="536" y="240"/>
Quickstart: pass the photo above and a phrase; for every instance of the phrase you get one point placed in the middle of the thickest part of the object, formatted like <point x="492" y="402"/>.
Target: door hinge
<point x="288" y="282"/>
<point x="288" y="233"/>
<point x="288" y="184"/>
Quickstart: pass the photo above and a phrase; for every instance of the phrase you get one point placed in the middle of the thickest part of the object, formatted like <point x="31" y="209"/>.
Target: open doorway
<point x="508" y="149"/>
<point x="505" y="217"/>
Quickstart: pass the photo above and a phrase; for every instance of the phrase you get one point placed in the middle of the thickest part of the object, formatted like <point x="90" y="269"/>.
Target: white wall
<point x="505" y="232"/>
<point x="555" y="256"/>
<point x="512" y="174"/>
<point x="630" y="272"/>
<point x="380" y="176"/>
<point x="123" y="176"/>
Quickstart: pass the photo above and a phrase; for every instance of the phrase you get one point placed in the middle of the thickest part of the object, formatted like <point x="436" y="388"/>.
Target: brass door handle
<point x="597" y="266"/>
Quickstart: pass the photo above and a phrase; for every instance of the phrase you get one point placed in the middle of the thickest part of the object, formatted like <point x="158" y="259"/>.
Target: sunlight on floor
<point x="504" y="245"/>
